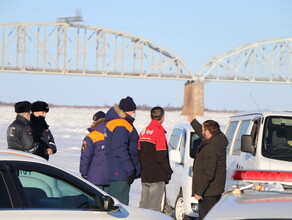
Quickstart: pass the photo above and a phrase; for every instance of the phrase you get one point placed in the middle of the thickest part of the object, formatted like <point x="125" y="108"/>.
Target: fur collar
<point x="119" y="111"/>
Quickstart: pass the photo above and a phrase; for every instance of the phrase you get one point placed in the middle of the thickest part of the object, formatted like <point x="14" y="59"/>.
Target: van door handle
<point x="191" y="171"/>
<point x="238" y="167"/>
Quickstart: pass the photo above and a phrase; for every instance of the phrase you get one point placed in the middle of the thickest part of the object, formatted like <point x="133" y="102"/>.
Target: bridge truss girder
<point x="266" y="61"/>
<point x="70" y="49"/>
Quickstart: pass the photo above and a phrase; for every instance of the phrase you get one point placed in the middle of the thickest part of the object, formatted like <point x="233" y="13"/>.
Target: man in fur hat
<point x="41" y="131"/>
<point x="92" y="165"/>
<point x="121" y="149"/>
<point x="19" y="133"/>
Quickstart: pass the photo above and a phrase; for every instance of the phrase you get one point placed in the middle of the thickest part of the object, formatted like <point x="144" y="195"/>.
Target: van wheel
<point x="179" y="211"/>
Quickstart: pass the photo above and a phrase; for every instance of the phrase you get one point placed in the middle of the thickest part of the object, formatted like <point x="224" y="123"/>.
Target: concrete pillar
<point x="193" y="98"/>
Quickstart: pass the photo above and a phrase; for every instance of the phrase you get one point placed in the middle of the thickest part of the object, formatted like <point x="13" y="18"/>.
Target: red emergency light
<point x="270" y="176"/>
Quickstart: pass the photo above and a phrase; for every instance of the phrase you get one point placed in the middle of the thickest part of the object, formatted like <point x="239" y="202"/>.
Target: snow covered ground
<point x="69" y="127"/>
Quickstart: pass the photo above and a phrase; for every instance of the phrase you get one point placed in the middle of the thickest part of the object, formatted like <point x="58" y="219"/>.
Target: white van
<point x="182" y="143"/>
<point x="259" y="141"/>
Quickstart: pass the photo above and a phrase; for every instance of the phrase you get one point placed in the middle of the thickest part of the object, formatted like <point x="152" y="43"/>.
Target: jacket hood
<point x="116" y="112"/>
<point x="100" y="127"/>
<point x="95" y="123"/>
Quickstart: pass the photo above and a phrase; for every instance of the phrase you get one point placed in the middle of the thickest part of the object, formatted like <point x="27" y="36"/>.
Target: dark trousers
<point x="119" y="189"/>
<point x="206" y="204"/>
<point x="103" y="187"/>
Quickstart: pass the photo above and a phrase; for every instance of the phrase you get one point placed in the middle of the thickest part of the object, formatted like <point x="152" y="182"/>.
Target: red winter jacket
<point x="153" y="154"/>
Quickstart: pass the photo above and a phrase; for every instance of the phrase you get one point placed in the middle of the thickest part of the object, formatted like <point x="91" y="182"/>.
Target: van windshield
<point x="277" y="139"/>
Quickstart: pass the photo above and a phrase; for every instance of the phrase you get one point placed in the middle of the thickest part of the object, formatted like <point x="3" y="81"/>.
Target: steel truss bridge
<point x="74" y="49"/>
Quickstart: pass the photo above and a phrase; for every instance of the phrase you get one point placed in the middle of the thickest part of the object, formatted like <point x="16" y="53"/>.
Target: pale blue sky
<point x="194" y="30"/>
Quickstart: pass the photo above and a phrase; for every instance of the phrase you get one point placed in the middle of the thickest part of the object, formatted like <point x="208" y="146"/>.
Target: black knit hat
<point x="98" y="115"/>
<point x="23" y="106"/>
<point x="39" y="106"/>
<point x="127" y="104"/>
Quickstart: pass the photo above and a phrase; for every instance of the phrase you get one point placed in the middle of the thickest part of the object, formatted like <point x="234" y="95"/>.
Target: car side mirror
<point x="175" y="156"/>
<point x="109" y="204"/>
<point x="246" y="144"/>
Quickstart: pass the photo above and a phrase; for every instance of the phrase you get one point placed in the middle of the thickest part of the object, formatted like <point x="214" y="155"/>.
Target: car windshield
<point x="277" y="138"/>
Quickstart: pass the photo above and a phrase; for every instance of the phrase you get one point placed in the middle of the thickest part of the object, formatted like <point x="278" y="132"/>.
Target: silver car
<point x="266" y="195"/>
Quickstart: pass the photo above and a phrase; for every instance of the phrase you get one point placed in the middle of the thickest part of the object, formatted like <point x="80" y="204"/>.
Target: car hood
<point x="125" y="212"/>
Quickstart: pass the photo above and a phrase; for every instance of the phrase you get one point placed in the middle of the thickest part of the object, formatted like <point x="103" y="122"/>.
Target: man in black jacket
<point x="41" y="131"/>
<point x="209" y="168"/>
<point x="19" y="133"/>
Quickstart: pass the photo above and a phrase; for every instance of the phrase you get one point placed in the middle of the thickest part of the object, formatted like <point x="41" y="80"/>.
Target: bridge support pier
<point x="193" y="98"/>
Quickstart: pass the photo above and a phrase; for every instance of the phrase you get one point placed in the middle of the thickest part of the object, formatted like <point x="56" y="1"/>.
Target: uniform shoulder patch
<point x="83" y="148"/>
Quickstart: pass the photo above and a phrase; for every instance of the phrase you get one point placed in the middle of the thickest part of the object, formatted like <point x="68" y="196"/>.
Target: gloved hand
<point x="131" y="179"/>
<point x="84" y="177"/>
<point x="168" y="178"/>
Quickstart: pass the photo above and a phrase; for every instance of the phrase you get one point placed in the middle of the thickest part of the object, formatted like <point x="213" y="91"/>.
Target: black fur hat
<point x="39" y="106"/>
<point x="23" y="106"/>
<point x="98" y="115"/>
<point x="127" y="104"/>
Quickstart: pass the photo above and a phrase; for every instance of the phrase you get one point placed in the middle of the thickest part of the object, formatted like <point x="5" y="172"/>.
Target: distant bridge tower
<point x="193" y="98"/>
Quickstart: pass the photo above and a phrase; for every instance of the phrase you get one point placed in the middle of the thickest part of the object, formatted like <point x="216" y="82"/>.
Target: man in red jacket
<point x="153" y="152"/>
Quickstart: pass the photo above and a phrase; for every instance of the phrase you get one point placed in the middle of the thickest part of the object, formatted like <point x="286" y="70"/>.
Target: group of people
<point x="113" y="154"/>
<point x="29" y="132"/>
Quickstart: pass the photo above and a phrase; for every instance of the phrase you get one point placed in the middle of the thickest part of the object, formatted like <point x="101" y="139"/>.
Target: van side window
<point x="195" y="142"/>
<point x="176" y="139"/>
<point x="230" y="133"/>
<point x="254" y="132"/>
<point x="242" y="130"/>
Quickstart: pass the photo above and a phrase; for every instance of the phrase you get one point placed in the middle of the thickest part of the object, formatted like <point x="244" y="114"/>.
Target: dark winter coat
<point x="121" y="146"/>
<point x="209" y="168"/>
<point x="154" y="154"/>
<point x="43" y="136"/>
<point x="19" y="135"/>
<point x="92" y="162"/>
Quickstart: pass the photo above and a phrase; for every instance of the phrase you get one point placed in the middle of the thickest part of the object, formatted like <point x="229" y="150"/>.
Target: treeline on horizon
<point x="139" y="107"/>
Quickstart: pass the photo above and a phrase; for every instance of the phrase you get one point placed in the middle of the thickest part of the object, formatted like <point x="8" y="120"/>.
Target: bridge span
<point x="74" y="49"/>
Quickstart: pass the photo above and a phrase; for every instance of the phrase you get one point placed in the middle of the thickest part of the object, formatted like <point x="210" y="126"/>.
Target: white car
<point x="32" y="188"/>
<point x="266" y="195"/>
